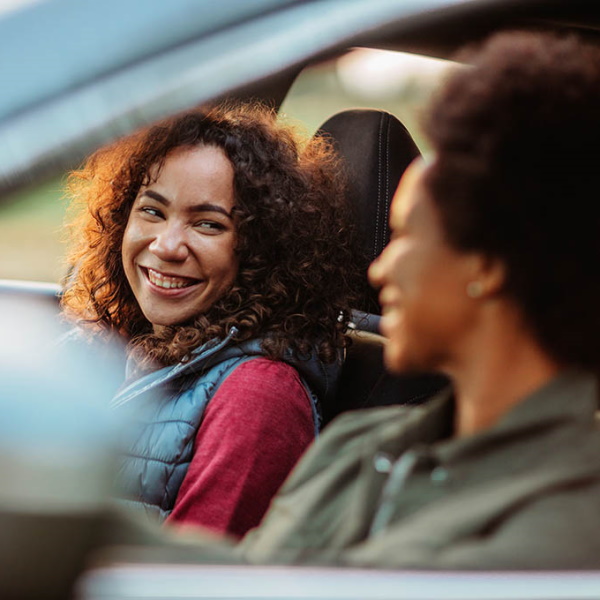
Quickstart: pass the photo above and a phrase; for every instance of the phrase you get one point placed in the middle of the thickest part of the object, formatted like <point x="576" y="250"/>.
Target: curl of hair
<point x="296" y="279"/>
<point x="516" y="137"/>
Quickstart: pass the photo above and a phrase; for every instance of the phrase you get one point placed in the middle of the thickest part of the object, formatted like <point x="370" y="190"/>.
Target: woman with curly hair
<point x="219" y="248"/>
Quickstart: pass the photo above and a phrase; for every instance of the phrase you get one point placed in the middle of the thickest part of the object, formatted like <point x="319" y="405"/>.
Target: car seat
<point x="375" y="149"/>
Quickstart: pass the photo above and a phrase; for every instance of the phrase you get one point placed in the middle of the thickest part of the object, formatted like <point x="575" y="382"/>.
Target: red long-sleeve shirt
<point x="254" y="430"/>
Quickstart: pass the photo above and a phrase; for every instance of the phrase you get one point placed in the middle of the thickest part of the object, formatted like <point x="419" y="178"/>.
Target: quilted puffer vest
<point x="166" y="408"/>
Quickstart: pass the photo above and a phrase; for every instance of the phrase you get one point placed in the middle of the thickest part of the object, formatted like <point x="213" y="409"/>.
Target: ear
<point x="490" y="274"/>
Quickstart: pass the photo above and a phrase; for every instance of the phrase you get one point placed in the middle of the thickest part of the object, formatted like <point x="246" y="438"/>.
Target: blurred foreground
<point x="58" y="443"/>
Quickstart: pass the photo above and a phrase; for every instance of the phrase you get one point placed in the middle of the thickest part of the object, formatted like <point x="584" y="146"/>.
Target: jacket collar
<point x="320" y="377"/>
<point x="563" y="404"/>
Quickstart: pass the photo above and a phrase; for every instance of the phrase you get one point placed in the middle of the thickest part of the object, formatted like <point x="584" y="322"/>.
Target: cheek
<point x="223" y="262"/>
<point x="423" y="272"/>
<point x="438" y="310"/>
<point x="132" y="241"/>
<point x="233" y="268"/>
<point x="128" y="235"/>
<point x="404" y="271"/>
<point x="129" y="250"/>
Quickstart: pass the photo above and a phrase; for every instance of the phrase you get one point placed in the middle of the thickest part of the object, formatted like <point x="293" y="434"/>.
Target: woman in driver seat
<point x="492" y="276"/>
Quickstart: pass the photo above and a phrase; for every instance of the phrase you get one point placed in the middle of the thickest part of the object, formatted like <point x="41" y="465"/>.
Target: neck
<point x="489" y="382"/>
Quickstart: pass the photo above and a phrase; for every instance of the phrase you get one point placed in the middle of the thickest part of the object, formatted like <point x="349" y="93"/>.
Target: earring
<point x="474" y="289"/>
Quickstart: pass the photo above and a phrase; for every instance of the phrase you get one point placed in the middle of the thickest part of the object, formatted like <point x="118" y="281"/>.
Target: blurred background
<point x="31" y="220"/>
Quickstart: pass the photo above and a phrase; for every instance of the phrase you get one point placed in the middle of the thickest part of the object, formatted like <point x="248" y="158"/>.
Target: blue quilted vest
<point x="166" y="408"/>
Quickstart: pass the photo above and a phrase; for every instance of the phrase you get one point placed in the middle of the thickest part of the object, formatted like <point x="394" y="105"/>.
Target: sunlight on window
<point x="397" y="82"/>
<point x="383" y="75"/>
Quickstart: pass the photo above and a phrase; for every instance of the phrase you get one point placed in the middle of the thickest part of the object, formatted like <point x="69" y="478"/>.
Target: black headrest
<point x="376" y="149"/>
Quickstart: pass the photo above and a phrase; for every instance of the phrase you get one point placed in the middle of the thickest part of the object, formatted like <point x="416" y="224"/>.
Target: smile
<point x="169" y="282"/>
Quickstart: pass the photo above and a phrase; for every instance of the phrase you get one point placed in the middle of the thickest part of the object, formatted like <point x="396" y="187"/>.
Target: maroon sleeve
<point x="254" y="430"/>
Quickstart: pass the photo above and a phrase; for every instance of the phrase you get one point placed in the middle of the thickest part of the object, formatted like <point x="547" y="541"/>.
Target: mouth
<point x="168" y="282"/>
<point x="384" y="306"/>
<point x="391" y="312"/>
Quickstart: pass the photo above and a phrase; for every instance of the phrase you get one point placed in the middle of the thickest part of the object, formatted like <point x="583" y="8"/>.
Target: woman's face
<point x="178" y="246"/>
<point x="427" y="315"/>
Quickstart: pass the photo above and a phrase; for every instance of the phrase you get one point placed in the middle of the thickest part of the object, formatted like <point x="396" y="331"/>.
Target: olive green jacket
<point x="390" y="487"/>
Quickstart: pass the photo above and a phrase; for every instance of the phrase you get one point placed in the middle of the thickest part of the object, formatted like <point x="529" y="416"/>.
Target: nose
<point x="170" y="243"/>
<point x="376" y="271"/>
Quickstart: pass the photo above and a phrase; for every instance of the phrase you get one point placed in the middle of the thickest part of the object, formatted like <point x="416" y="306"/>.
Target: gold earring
<point x="474" y="289"/>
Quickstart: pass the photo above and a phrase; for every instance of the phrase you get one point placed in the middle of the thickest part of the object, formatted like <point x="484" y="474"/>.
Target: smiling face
<point x="427" y="314"/>
<point x="178" y="248"/>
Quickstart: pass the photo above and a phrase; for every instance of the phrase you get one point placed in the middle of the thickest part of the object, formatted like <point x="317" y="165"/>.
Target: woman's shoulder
<point x="261" y="397"/>
<point x="266" y="376"/>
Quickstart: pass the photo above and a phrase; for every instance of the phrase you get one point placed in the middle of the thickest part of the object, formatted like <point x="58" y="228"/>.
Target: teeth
<point x="166" y="282"/>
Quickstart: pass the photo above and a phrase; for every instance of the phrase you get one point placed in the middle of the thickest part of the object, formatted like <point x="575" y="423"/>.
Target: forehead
<point x="203" y="161"/>
<point x="195" y="174"/>
<point x="410" y="190"/>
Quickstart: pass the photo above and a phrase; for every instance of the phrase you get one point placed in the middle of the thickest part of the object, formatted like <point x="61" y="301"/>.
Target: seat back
<point x="375" y="149"/>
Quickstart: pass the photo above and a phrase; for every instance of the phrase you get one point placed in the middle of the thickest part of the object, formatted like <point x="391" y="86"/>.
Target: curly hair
<point x="295" y="238"/>
<point x="516" y="138"/>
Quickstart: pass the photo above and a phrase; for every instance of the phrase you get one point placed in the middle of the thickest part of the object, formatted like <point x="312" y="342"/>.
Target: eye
<point x="211" y="227"/>
<point x="150" y="211"/>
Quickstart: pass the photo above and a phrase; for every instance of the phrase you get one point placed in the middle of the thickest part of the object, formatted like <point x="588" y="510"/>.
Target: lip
<point x="389" y="312"/>
<point x="383" y="327"/>
<point x="389" y="299"/>
<point x="169" y="292"/>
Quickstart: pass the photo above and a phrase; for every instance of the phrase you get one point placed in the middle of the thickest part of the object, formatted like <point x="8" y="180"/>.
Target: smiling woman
<point x="192" y="235"/>
<point x="219" y="247"/>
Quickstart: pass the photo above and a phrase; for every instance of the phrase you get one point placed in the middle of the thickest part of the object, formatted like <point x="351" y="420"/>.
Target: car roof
<point x="84" y="72"/>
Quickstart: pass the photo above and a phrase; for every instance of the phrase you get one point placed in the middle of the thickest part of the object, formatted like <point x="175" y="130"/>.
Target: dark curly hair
<point x="295" y="243"/>
<point x="516" y="138"/>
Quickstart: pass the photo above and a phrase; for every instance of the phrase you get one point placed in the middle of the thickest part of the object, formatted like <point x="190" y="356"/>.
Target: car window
<point x="31" y="220"/>
<point x="397" y="82"/>
<point x="30" y="231"/>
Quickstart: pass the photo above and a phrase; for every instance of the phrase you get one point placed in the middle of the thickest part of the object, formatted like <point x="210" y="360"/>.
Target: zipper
<point x="128" y="393"/>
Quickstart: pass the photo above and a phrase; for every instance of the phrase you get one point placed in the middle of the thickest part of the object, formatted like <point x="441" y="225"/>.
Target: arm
<point x="254" y="430"/>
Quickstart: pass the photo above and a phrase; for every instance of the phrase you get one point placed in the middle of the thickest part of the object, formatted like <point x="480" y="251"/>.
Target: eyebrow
<point x="204" y="207"/>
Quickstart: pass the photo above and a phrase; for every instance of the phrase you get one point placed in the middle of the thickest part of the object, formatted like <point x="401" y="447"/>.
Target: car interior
<point x="375" y="148"/>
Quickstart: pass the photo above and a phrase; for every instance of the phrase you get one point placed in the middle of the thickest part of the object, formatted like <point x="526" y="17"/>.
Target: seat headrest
<point x="375" y="148"/>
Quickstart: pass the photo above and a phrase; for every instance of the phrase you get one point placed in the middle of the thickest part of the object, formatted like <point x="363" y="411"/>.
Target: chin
<point x="394" y="358"/>
<point x="398" y="360"/>
<point x="158" y="321"/>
